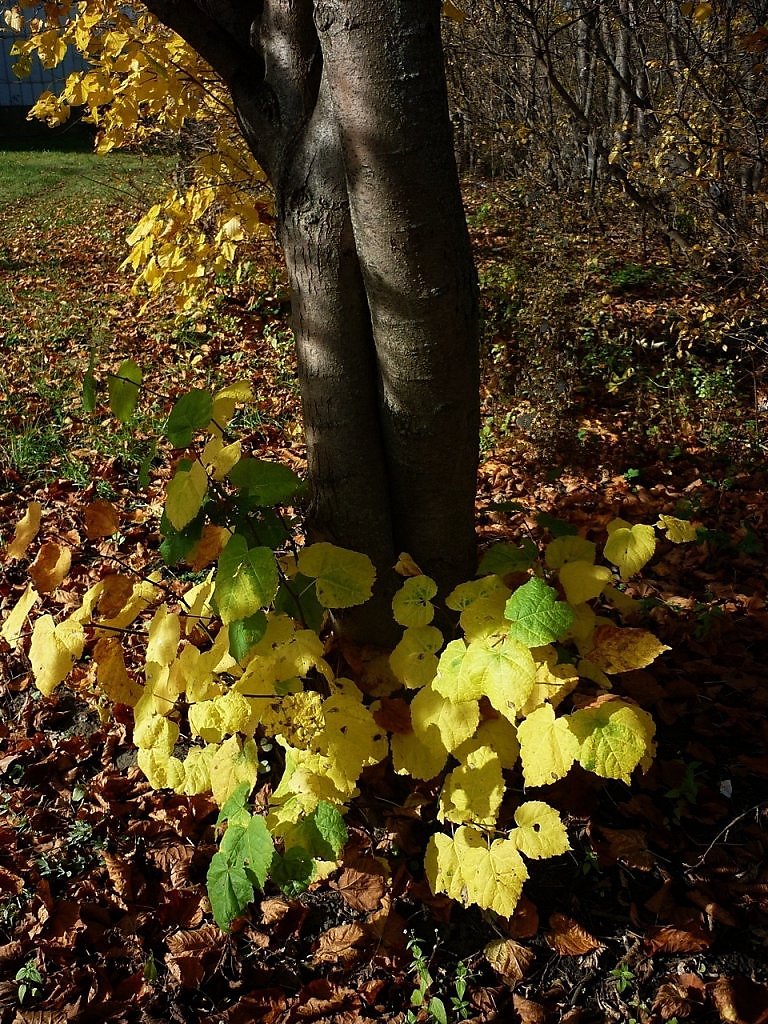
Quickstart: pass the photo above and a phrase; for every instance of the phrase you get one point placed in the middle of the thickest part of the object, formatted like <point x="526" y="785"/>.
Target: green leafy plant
<point x="30" y="982"/>
<point x="623" y="976"/>
<point x="420" y="997"/>
<point x="234" y="666"/>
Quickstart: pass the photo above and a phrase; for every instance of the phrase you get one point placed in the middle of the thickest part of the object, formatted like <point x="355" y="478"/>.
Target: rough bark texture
<point x="343" y="102"/>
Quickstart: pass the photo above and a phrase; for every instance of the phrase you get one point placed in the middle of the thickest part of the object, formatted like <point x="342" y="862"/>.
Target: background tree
<point x="344" y="106"/>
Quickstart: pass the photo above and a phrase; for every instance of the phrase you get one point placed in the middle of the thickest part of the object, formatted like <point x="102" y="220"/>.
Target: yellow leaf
<point x="412" y="604"/>
<point x="501" y="670"/>
<point x="153" y="731"/>
<point x="468" y="870"/>
<point x="14" y="624"/>
<point x="702" y="12"/>
<point x="185" y="495"/>
<point x="197" y="775"/>
<point x="212" y="541"/>
<point x="613" y="737"/>
<point x="161" y="769"/>
<point x="164" y="634"/>
<point x="225" y="715"/>
<point x="583" y="581"/>
<point x="548" y="747"/>
<point x="350" y="739"/>
<point x="405" y="566"/>
<point x="50" y="567"/>
<point x="220" y="458"/>
<point x="414" y="661"/>
<point x="465" y="594"/>
<point x="26" y="531"/>
<point x="422" y="756"/>
<point x="679" y="531"/>
<point x="143" y="594"/>
<point x="454" y="721"/>
<point x="563" y="550"/>
<point x="484" y="619"/>
<point x="53" y="651"/>
<point x="472" y="793"/>
<point x="112" y="675"/>
<point x="622" y="649"/>
<point x="234" y="762"/>
<point x="540" y="832"/>
<point x="553" y="682"/>
<point x="497" y="733"/>
<point x="630" y="548"/>
<point x="625" y="605"/>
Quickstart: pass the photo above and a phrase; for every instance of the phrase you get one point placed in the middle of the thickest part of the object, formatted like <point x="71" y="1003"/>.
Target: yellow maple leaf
<point x="14" y="623"/>
<point x="185" y="495"/>
<point x="454" y="721"/>
<point x="548" y="747"/>
<point x="162" y="770"/>
<point x="53" y="651"/>
<point x="497" y="733"/>
<point x="468" y="870"/>
<point x="540" y="832"/>
<point x="197" y="775"/>
<point x="583" y="581"/>
<point x="465" y="594"/>
<point x="25" y="532"/>
<point x="350" y="738"/>
<point x="503" y="670"/>
<point x="553" y="682"/>
<point x="225" y="715"/>
<point x="614" y="737"/>
<point x="420" y="755"/>
<point x="236" y="761"/>
<point x="221" y="458"/>
<point x="412" y="604"/>
<point x="679" y="531"/>
<point x="622" y="649"/>
<point x="630" y="548"/>
<point x="472" y="793"/>
<point x="164" y="634"/>
<point x="563" y="550"/>
<point x="112" y="675"/>
<point x="414" y="660"/>
<point x="484" y="619"/>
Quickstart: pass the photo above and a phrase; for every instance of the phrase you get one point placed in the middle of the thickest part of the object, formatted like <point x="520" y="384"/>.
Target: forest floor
<point x="607" y="392"/>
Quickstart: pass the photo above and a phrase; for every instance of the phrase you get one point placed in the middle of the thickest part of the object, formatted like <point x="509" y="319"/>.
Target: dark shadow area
<point x="17" y="134"/>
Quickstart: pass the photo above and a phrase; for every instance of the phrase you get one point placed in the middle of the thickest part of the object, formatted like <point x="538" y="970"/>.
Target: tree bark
<point x="344" y="105"/>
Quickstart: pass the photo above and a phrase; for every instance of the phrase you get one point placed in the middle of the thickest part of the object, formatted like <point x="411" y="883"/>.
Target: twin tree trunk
<point x="343" y="103"/>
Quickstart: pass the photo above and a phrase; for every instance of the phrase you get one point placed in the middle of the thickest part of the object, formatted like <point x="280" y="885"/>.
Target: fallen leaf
<point x="361" y="890"/>
<point x="25" y="532"/>
<point x="740" y="1000"/>
<point x="340" y="945"/>
<point x="529" y="1011"/>
<point x="50" y="567"/>
<point x="101" y="519"/>
<point x="668" y="939"/>
<point x="568" y="938"/>
<point x="509" y="959"/>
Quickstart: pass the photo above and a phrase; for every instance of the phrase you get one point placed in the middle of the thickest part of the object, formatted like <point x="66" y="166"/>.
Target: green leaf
<point x="323" y="833"/>
<point x="343" y="578"/>
<point x="557" y="527"/>
<point x="266" y="483"/>
<point x="537" y="617"/>
<point x="437" y="1011"/>
<point x="244" y="633"/>
<point x="177" y="544"/>
<point x="124" y="390"/>
<point x="235" y="803"/>
<point x="297" y="597"/>
<point x="229" y="890"/>
<point x="89" y="387"/>
<point x="248" y="844"/>
<point x="246" y="580"/>
<point x="506" y="558"/>
<point x="192" y="412"/>
<point x="292" y="872"/>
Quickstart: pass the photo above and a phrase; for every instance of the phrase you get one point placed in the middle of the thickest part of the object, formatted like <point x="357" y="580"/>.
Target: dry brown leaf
<point x="274" y="910"/>
<point x="101" y="519"/>
<point x="525" y="921"/>
<point x="340" y="945"/>
<point x="361" y="890"/>
<point x="393" y="714"/>
<point x="679" y="998"/>
<point x="11" y="884"/>
<point x="668" y="939"/>
<point x="740" y="1000"/>
<point x="528" y="1011"/>
<point x="568" y="938"/>
<point x="629" y="845"/>
<point x="120" y="874"/>
<point x="209" y="547"/>
<point x="509" y="959"/>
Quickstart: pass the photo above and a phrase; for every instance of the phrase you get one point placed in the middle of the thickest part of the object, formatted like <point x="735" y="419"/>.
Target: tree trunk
<point x="343" y="102"/>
